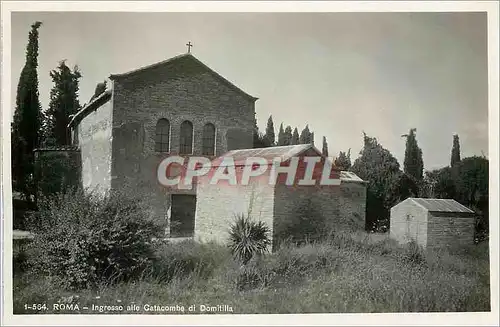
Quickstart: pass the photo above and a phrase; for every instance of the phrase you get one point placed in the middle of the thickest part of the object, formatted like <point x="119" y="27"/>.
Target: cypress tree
<point x="288" y="136"/>
<point x="305" y="136"/>
<point x="63" y="104"/>
<point x="413" y="164"/>
<point x="343" y="161"/>
<point x="325" y="147"/>
<point x="270" y="136"/>
<point x="455" y="151"/>
<point x="281" y="135"/>
<point x="295" y="136"/>
<point x="27" y="122"/>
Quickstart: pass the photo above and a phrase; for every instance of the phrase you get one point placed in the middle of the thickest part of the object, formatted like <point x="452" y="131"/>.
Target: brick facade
<point x="449" y="231"/>
<point x="117" y="132"/>
<point x="339" y="207"/>
<point x="117" y="138"/>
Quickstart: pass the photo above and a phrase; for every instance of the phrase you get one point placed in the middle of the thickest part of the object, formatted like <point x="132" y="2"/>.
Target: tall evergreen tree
<point x="455" y="151"/>
<point x="305" y="136"/>
<point x="270" y="137"/>
<point x="288" y="136"/>
<point x="27" y="122"/>
<point x="295" y="136"/>
<point x="311" y="138"/>
<point x="324" y="151"/>
<point x="281" y="135"/>
<point x="258" y="138"/>
<point x="413" y="164"/>
<point x="63" y="104"/>
<point x="343" y="161"/>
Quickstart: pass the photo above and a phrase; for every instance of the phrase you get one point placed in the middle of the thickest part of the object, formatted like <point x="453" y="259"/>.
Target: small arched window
<point x="162" y="139"/>
<point x="208" y="147"/>
<point x="186" y="141"/>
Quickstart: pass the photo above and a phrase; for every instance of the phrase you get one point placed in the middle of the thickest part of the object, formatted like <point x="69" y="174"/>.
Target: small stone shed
<point x="432" y="223"/>
<point x="278" y="205"/>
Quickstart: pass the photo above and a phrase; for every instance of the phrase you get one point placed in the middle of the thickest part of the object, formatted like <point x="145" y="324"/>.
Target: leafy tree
<point x="343" y="161"/>
<point x="455" y="151"/>
<point x="413" y="164"/>
<point x="440" y="183"/>
<point x="324" y="151"/>
<point x="400" y="186"/>
<point x="27" y="122"/>
<point x="269" y="136"/>
<point x="63" y="104"/>
<point x="295" y="136"/>
<point x="288" y="136"/>
<point x="380" y="169"/>
<point x="471" y="178"/>
<point x="305" y="136"/>
<point x="281" y="135"/>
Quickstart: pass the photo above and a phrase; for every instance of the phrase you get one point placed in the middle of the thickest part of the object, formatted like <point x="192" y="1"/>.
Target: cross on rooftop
<point x="189" y="45"/>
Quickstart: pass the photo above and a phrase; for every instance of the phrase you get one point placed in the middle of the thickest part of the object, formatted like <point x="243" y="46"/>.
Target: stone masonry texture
<point x="117" y="144"/>
<point x="177" y="91"/>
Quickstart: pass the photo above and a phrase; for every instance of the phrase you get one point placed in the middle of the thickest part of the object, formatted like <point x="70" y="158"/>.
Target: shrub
<point x="83" y="239"/>
<point x="248" y="238"/>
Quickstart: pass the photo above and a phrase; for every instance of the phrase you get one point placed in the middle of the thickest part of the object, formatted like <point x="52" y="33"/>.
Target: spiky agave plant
<point x="248" y="238"/>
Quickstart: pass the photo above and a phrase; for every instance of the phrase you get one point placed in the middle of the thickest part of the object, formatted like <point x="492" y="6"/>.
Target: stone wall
<point x="449" y="231"/>
<point x="94" y="141"/>
<point x="177" y="92"/>
<point x="218" y="205"/>
<point x="334" y="208"/>
<point x="409" y="222"/>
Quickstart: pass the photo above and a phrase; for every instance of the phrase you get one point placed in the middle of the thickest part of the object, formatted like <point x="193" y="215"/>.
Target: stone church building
<point x="175" y="107"/>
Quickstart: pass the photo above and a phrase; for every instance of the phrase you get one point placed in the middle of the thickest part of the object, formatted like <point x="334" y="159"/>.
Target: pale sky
<point x="341" y="73"/>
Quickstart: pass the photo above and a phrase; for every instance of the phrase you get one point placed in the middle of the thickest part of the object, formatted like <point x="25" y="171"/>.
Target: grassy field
<point x="347" y="274"/>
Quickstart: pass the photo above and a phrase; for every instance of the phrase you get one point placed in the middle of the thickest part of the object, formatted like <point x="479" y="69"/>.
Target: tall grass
<point x="345" y="273"/>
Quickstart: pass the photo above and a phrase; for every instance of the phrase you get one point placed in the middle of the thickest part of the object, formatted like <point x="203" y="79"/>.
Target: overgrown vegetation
<point x="82" y="239"/>
<point x="248" y="238"/>
<point x="346" y="273"/>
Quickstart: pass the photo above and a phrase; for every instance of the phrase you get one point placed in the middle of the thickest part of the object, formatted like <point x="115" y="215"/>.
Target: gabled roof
<point x="179" y="58"/>
<point x="283" y="152"/>
<point x="441" y="205"/>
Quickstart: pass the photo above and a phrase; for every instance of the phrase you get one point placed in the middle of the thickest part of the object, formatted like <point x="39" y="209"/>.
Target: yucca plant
<point x="248" y="238"/>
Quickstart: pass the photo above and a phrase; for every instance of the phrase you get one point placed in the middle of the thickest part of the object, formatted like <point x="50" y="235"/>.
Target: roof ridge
<point x="184" y="55"/>
<point x="150" y="65"/>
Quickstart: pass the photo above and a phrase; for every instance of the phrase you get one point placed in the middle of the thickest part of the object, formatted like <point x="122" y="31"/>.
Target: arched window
<point x="208" y="147"/>
<point x="162" y="139"/>
<point x="186" y="144"/>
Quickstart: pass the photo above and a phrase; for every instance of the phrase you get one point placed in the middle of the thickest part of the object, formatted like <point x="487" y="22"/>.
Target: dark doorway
<point x="182" y="215"/>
